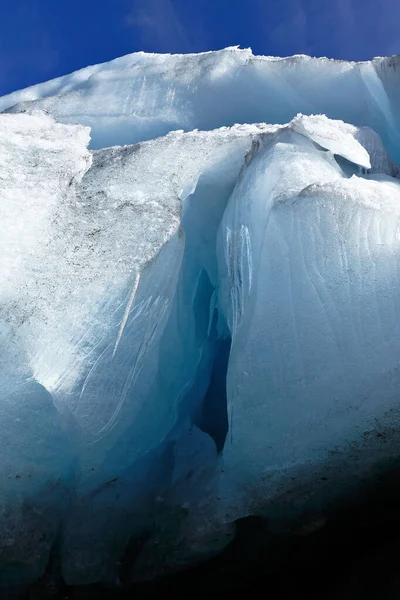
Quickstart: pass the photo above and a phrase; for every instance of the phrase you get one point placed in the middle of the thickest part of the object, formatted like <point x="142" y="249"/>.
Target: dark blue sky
<point x="42" y="39"/>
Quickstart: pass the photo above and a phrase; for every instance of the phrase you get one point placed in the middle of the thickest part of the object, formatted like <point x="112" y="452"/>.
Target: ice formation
<point x="199" y="312"/>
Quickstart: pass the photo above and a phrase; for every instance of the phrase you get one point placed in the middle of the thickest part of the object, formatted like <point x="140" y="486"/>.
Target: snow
<point x="200" y="324"/>
<point x="339" y="138"/>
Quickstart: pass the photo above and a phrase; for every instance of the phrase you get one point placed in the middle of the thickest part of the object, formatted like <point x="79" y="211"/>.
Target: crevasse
<point x="200" y="325"/>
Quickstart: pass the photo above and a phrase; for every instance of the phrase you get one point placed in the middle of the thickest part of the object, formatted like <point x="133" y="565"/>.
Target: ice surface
<point x="199" y="326"/>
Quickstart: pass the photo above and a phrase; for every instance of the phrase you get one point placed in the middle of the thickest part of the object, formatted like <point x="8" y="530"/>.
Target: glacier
<point x="199" y="306"/>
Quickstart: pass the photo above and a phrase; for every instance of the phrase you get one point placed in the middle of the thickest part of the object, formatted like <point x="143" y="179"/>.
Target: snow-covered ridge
<point x="142" y="96"/>
<point x="198" y="327"/>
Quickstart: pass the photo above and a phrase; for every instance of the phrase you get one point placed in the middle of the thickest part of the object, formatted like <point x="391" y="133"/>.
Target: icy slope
<point x="198" y="327"/>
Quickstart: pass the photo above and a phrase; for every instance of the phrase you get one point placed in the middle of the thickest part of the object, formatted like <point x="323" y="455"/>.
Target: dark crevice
<point x="214" y="415"/>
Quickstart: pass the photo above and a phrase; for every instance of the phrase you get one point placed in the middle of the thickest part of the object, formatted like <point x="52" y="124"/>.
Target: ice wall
<point x="198" y="327"/>
<point x="311" y="257"/>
